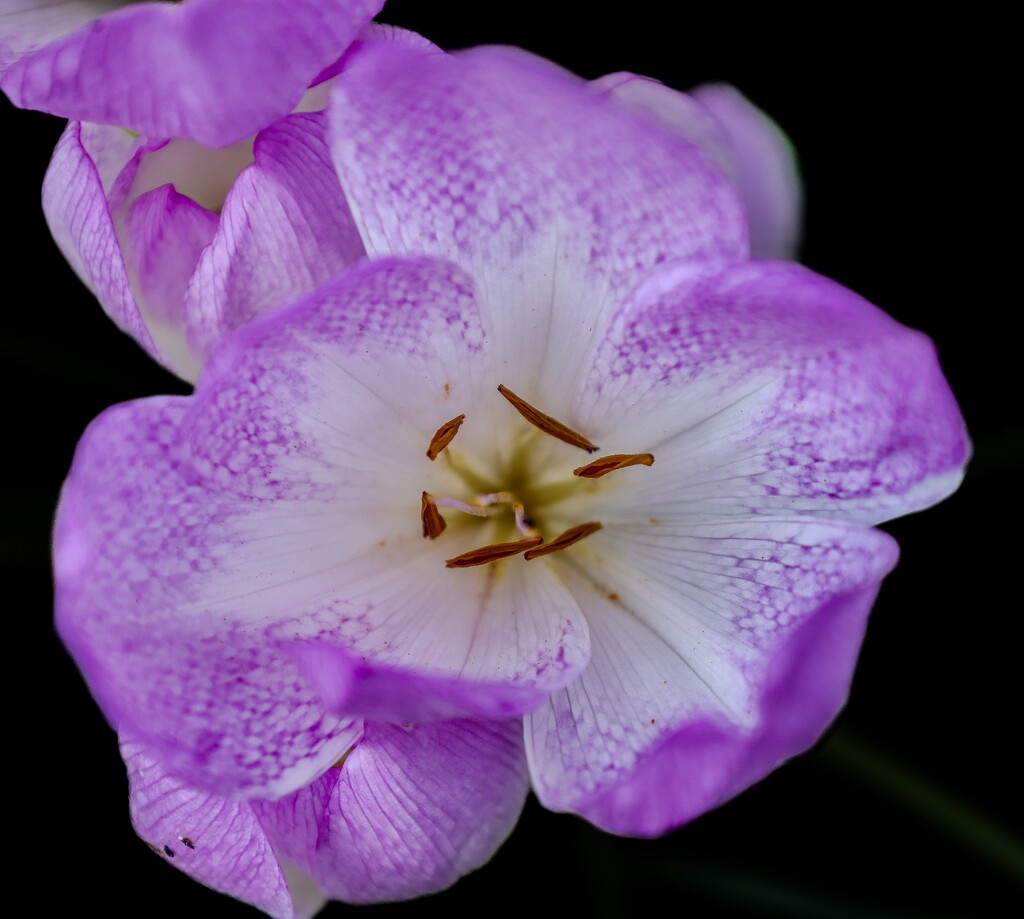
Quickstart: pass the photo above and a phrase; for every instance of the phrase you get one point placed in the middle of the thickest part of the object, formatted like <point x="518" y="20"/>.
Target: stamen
<point x="492" y="553"/>
<point x="473" y="509"/>
<point x="613" y="461"/>
<point x="524" y="523"/>
<point x="433" y="522"/>
<point x="566" y="539"/>
<point x="546" y="423"/>
<point x="443" y="436"/>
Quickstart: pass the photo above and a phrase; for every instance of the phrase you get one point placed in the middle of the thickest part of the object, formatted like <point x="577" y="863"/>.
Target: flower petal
<point x="284" y="229"/>
<point x="555" y="199"/>
<point x="409" y="812"/>
<point x="164" y="232"/>
<point x="767" y="389"/>
<point x="135" y="544"/>
<point x="216" y="841"/>
<point x="719" y="650"/>
<point x="764" y="166"/>
<point x="75" y="204"/>
<point x="211" y="70"/>
<point x="741" y="140"/>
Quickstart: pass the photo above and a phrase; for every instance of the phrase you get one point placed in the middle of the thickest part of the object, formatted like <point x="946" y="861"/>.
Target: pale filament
<point x="485" y="505"/>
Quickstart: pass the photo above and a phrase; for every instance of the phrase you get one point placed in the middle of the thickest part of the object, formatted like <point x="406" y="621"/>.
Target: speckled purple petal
<point x="202" y="543"/>
<point x="410" y="811"/>
<point x="719" y="650"/>
<point x="545" y="192"/>
<point x="767" y="389"/>
<point x="212" y="70"/>
<point x="146" y="565"/>
<point x="333" y="402"/>
<point x="739" y="138"/>
<point x="216" y="841"/>
<point x="284" y="228"/>
<point x="75" y="204"/>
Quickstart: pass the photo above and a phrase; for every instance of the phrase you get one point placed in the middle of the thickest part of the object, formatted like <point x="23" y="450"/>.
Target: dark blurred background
<point x="911" y="805"/>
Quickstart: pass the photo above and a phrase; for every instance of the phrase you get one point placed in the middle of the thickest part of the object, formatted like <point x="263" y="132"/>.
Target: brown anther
<point x="613" y="461"/>
<point x="546" y="423"/>
<point x="444" y="436"/>
<point x="433" y="522"/>
<point x="493" y="552"/>
<point x="564" y="540"/>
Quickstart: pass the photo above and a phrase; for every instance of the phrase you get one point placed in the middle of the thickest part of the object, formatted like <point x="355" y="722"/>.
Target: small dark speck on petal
<point x="186" y="842"/>
<point x="169" y="852"/>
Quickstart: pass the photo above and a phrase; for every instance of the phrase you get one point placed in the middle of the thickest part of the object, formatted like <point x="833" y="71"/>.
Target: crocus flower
<point x="182" y="243"/>
<point x="215" y="71"/>
<point x="558" y="450"/>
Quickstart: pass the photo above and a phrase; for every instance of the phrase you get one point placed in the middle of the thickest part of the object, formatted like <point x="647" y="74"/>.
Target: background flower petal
<point x="217" y="841"/>
<point x="775" y="391"/>
<point x="719" y="650"/>
<point x="163" y="234"/>
<point x="284" y="228"/>
<point x="75" y="204"/>
<point x="211" y="70"/>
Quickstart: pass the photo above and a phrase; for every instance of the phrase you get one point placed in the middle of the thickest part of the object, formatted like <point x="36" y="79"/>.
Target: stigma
<point x="508" y="506"/>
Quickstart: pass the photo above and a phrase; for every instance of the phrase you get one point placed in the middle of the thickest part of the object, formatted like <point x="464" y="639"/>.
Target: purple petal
<point x="409" y="812"/>
<point x="765" y="169"/>
<point x="284" y="229"/>
<point x="740" y="139"/>
<point x="75" y="204"/>
<point x="719" y="650"/>
<point x="775" y="391"/>
<point x="143" y="559"/>
<point x="201" y="542"/>
<point x="214" y="840"/>
<point x="164" y="233"/>
<point x="545" y="192"/>
<point x="212" y="70"/>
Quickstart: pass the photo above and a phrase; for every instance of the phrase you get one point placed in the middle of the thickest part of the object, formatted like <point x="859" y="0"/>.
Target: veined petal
<point x="164" y="233"/>
<point x="284" y="229"/>
<point x="216" y="841"/>
<point x="766" y="389"/>
<point x="555" y="199"/>
<point x="212" y="70"/>
<point x="409" y="811"/>
<point x="135" y="546"/>
<point x="719" y="650"/>
<point x="75" y="204"/>
<point x="741" y="140"/>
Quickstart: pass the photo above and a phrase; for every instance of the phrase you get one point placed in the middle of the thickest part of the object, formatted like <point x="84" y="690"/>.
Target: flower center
<point x="516" y="496"/>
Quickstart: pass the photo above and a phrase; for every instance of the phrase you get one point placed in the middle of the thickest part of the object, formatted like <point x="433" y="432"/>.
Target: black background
<point x="897" y="812"/>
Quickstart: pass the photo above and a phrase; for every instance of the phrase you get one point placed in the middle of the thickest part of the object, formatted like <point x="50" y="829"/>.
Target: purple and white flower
<point x="214" y="71"/>
<point x="557" y="450"/>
